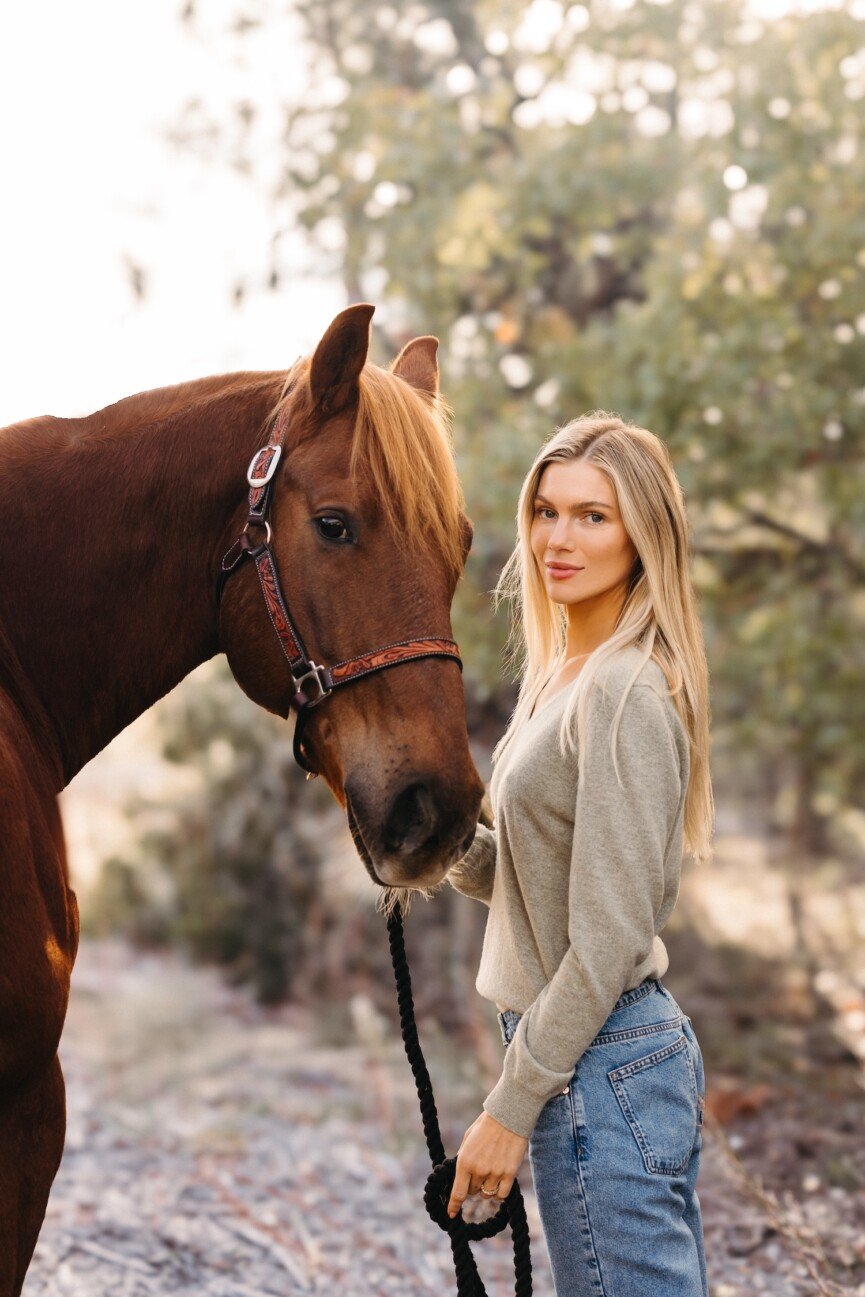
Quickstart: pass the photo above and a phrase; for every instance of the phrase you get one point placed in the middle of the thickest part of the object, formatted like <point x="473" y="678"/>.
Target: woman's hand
<point x="489" y="1152"/>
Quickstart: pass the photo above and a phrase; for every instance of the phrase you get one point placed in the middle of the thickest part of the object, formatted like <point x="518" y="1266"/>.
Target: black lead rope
<point x="441" y="1179"/>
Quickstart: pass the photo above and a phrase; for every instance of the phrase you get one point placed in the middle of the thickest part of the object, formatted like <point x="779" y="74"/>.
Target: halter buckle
<point x="271" y="467"/>
<point x="315" y="673"/>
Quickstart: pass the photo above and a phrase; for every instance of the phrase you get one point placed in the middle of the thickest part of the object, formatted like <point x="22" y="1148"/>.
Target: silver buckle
<point x="271" y="468"/>
<point x="323" y="691"/>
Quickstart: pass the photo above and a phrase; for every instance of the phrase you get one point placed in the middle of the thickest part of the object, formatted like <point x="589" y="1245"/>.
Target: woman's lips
<point x="562" y="573"/>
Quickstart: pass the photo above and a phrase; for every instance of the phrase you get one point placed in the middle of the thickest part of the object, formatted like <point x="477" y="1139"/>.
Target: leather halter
<point x="313" y="682"/>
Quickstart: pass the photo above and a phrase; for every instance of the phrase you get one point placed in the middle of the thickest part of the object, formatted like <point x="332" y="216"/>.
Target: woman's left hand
<point x="489" y="1152"/>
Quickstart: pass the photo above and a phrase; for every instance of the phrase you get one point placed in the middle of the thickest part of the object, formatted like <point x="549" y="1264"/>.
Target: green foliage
<point x="653" y="208"/>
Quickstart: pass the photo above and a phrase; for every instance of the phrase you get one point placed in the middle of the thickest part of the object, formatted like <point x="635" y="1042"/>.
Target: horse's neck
<point x="112" y="538"/>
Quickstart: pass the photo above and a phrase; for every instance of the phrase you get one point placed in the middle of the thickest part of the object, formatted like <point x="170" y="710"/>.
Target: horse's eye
<point x="333" y="529"/>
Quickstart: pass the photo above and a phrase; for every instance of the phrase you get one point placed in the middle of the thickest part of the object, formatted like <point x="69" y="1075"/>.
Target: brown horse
<point x="115" y="527"/>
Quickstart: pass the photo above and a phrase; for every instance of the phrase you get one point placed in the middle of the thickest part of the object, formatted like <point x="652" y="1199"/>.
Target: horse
<point x="122" y="534"/>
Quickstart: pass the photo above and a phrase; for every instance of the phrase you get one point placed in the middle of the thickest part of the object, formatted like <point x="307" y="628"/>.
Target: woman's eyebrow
<point x="580" y="504"/>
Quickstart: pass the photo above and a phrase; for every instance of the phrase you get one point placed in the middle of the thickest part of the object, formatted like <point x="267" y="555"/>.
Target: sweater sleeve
<point x="615" y="890"/>
<point x="473" y="873"/>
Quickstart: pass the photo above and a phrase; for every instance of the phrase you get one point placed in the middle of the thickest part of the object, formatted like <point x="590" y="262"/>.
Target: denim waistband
<point x="644" y="988"/>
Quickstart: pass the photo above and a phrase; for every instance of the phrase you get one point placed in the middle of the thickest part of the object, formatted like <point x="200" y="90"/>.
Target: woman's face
<point x="577" y="536"/>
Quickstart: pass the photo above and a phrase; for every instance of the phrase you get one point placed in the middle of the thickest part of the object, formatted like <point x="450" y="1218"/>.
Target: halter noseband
<point x="313" y="682"/>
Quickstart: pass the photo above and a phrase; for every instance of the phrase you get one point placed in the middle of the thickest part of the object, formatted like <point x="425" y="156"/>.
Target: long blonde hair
<point x="659" y="615"/>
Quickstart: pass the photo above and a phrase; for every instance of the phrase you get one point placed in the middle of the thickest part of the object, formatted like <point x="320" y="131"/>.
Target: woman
<point x="600" y="782"/>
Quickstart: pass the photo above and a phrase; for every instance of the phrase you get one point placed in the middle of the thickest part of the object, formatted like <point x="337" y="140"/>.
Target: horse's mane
<point x="403" y="439"/>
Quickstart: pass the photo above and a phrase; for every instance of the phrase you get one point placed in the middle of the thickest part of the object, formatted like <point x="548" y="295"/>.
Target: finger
<point x="481" y="1181"/>
<point x="459" y="1192"/>
<point x="505" y="1186"/>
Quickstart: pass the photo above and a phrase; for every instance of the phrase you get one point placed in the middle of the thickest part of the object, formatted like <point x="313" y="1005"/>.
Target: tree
<point x="646" y="207"/>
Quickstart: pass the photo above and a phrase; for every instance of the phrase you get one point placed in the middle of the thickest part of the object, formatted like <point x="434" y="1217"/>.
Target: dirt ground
<point x="222" y="1149"/>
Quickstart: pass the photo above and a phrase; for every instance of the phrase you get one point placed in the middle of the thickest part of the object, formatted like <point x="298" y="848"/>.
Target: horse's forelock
<point x="403" y="441"/>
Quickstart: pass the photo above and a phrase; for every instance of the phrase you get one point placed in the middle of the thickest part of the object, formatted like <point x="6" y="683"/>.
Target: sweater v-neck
<point x="548" y="702"/>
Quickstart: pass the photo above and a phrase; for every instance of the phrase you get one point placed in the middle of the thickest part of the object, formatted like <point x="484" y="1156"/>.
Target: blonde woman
<point x="599" y="784"/>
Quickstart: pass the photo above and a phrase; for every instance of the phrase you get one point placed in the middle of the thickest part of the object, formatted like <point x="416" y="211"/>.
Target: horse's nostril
<point x="411" y="820"/>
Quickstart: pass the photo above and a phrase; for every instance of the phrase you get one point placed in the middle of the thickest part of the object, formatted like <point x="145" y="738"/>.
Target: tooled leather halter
<point x="313" y="682"/>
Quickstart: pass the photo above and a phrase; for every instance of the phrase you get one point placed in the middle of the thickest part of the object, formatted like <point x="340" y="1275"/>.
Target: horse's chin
<point x="357" y="838"/>
<point x="435" y="874"/>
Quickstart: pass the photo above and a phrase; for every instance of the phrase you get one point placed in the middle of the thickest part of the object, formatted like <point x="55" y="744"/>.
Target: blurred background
<point x="649" y="207"/>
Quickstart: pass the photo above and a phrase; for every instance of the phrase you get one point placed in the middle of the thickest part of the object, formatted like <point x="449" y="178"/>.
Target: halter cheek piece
<point x="313" y="682"/>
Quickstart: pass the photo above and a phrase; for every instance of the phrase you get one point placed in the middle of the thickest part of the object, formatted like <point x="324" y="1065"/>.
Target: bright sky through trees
<point x="86" y="91"/>
<point x="96" y="201"/>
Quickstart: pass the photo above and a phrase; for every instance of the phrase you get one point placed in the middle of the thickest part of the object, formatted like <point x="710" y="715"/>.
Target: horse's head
<point x="370" y="538"/>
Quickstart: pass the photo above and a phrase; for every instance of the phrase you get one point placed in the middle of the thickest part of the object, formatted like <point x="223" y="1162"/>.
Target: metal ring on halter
<point x="261" y="522"/>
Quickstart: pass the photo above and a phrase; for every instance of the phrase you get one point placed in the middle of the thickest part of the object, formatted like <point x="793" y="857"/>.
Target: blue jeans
<point x="615" y="1156"/>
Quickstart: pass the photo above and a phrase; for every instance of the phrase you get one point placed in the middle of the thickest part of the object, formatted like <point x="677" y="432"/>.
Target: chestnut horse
<point x="115" y="527"/>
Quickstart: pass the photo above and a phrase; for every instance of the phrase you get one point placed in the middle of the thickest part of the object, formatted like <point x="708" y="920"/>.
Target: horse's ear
<point x="339" y="357"/>
<point x="417" y="364"/>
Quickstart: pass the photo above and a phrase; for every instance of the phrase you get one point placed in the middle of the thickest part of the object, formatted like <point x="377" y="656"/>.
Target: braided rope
<point x="441" y="1179"/>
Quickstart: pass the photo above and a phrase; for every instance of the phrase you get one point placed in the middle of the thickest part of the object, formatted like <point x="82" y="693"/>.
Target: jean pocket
<point x="659" y="1100"/>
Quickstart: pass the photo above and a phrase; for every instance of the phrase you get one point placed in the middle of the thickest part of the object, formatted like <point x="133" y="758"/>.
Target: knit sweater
<point x="580" y="877"/>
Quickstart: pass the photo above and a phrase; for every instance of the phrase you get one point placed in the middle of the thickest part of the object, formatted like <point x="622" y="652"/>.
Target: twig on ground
<point x="805" y="1243"/>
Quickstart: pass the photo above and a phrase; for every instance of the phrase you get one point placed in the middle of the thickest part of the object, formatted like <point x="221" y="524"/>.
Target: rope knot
<point x="436" y="1196"/>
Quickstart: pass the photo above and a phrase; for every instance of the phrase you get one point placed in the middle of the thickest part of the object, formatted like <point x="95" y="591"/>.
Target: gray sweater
<point x="579" y="880"/>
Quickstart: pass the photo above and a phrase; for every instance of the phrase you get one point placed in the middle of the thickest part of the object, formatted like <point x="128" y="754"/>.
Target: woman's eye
<point x="542" y="509"/>
<point x="333" y="529"/>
